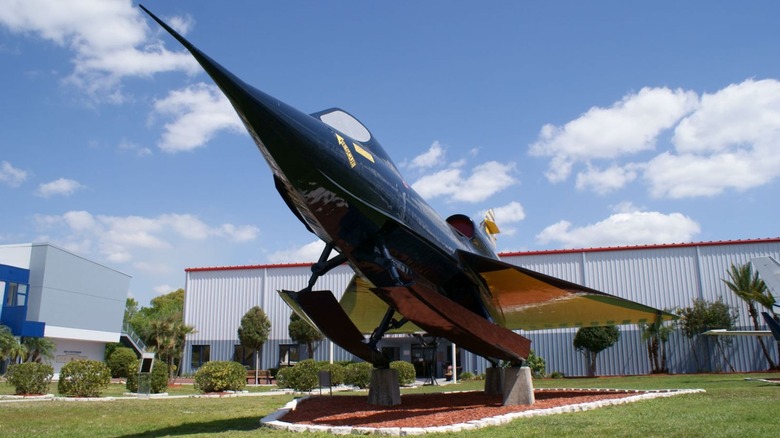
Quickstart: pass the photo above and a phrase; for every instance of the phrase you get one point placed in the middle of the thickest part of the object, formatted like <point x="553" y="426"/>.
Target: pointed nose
<point x="274" y="125"/>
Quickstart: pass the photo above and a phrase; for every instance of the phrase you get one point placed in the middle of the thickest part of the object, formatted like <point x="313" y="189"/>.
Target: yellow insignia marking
<point x="344" y="146"/>
<point x="366" y="154"/>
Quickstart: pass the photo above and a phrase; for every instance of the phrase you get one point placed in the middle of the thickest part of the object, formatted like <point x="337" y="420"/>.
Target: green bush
<point x="122" y="362"/>
<point x="30" y="378"/>
<point x="158" y="379"/>
<point x="84" y="378"/>
<point x="216" y="376"/>
<point x="466" y="376"/>
<point x="406" y="372"/>
<point x="358" y="374"/>
<point x="537" y="365"/>
<point x="301" y="377"/>
<point x="337" y="372"/>
<point x="110" y="347"/>
<point x="556" y="375"/>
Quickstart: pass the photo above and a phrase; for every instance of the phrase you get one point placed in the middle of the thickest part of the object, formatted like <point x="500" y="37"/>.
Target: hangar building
<point x="49" y="292"/>
<point x="665" y="276"/>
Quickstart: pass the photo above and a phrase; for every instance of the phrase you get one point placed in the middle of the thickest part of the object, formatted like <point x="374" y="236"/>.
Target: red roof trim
<point x="519" y="253"/>
<point x="635" y="247"/>
<point x="238" y="268"/>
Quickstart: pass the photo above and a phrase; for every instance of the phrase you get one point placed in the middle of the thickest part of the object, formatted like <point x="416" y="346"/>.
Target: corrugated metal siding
<point x="215" y="301"/>
<point x="662" y="277"/>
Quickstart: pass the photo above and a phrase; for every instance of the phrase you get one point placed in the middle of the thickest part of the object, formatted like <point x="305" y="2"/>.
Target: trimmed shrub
<point x="337" y="372"/>
<point x="30" y="378"/>
<point x="358" y="374"/>
<point x="122" y="362"/>
<point x="301" y="377"/>
<point x="556" y="375"/>
<point x="466" y="376"/>
<point x="158" y="380"/>
<point x="406" y="372"/>
<point x="110" y="347"/>
<point x="217" y="376"/>
<point x="84" y="378"/>
<point x="537" y="365"/>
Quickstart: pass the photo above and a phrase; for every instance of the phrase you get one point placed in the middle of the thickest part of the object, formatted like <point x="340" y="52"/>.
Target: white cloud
<point x="198" y="112"/>
<point x="606" y="180"/>
<point x="724" y="140"/>
<point x="306" y="253"/>
<point x="509" y="213"/>
<point x="485" y="180"/>
<point x="10" y="175"/>
<point x="110" y="40"/>
<point x="433" y="156"/>
<point x="627" y="127"/>
<point x="730" y="142"/>
<point x="58" y="187"/>
<point x="626" y="227"/>
<point x="120" y="238"/>
<point x="163" y="289"/>
<point x="141" y="151"/>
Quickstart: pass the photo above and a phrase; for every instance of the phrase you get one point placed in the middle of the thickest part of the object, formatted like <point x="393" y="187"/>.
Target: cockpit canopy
<point x="345" y="123"/>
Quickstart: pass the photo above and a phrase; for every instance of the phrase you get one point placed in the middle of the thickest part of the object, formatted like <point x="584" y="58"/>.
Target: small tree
<point x="161" y="326"/>
<point x="38" y="349"/>
<point x="704" y="316"/>
<point x="656" y="335"/>
<point x="253" y="332"/>
<point x="303" y="333"/>
<point x="10" y="347"/>
<point x="593" y="340"/>
<point x="749" y="288"/>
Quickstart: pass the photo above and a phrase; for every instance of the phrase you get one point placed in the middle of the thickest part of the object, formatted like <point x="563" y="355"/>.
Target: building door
<point x="423" y="359"/>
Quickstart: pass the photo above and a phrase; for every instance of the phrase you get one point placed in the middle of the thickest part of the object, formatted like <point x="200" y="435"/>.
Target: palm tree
<point x="39" y="349"/>
<point x="656" y="335"/>
<point x="10" y="348"/>
<point x="167" y="337"/>
<point x="749" y="287"/>
<point x="767" y="300"/>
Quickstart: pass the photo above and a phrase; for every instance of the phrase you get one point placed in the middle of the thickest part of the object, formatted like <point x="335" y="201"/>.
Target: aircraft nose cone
<point x="271" y="123"/>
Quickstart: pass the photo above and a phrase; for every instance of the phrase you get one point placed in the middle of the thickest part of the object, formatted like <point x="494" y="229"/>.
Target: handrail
<point x="127" y="330"/>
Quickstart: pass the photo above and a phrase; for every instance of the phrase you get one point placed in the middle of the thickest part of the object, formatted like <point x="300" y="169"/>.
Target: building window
<point x="15" y="294"/>
<point x="200" y="355"/>
<point x="288" y="355"/>
<point x="245" y="356"/>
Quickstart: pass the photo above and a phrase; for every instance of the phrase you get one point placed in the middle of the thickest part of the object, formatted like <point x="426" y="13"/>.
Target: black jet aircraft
<point x="414" y="270"/>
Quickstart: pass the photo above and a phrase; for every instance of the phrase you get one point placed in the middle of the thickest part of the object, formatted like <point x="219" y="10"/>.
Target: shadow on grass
<point x="216" y="426"/>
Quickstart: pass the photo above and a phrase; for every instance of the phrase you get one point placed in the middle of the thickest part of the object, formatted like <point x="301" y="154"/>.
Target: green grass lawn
<point x="731" y="407"/>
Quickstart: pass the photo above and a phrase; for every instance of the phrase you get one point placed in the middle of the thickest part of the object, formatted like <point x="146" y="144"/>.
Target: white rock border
<point x="273" y="420"/>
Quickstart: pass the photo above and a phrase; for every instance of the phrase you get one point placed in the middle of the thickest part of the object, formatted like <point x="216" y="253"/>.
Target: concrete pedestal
<point x="518" y="386"/>
<point x="384" y="389"/>
<point x="494" y="383"/>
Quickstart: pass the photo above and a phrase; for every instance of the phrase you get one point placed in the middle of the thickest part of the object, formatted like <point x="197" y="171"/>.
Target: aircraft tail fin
<point x="774" y="326"/>
<point x="489" y="226"/>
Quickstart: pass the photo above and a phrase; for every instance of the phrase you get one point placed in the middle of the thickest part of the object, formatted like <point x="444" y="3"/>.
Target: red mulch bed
<point x="428" y="410"/>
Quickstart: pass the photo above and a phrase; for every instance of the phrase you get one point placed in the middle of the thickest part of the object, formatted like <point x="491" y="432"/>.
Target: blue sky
<point x="583" y="124"/>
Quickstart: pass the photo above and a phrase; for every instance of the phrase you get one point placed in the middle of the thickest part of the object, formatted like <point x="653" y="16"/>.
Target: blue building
<point x="50" y="292"/>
